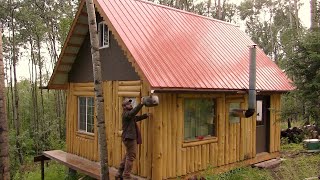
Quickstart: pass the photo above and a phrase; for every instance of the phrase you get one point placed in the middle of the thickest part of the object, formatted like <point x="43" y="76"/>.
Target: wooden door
<point x="262" y="124"/>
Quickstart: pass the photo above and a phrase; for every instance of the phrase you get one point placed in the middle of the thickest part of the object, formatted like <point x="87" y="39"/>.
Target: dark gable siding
<point x="115" y="65"/>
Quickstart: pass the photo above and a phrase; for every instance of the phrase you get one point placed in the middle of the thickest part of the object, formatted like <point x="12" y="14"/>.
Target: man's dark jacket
<point x="130" y="129"/>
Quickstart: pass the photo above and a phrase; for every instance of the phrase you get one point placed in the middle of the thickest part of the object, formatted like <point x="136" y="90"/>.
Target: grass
<point x="291" y="147"/>
<point x="52" y="171"/>
<point x="245" y="173"/>
<point x="297" y="165"/>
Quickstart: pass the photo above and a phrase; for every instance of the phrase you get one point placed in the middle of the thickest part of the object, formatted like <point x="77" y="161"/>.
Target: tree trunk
<point x="313" y="11"/>
<point x="219" y="10"/>
<point x="208" y="8"/>
<point x="4" y="142"/>
<point x="97" y="76"/>
<point x="296" y="14"/>
<point x="15" y="93"/>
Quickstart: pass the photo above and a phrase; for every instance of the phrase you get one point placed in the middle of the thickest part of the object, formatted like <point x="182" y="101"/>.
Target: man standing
<point x="131" y="136"/>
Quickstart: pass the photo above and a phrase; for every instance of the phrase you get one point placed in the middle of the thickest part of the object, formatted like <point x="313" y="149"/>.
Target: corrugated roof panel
<point x="165" y="58"/>
<point x="148" y="46"/>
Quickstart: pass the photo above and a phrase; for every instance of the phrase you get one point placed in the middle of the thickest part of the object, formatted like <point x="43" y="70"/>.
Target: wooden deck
<point x="80" y="164"/>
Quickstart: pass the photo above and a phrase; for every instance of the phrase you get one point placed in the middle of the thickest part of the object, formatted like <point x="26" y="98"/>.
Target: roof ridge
<point x="186" y="12"/>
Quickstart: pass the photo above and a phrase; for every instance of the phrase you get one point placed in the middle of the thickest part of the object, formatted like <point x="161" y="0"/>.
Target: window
<point x="86" y="114"/>
<point x="103" y="35"/>
<point x="199" y="118"/>
<point x="259" y="113"/>
<point x="232" y="106"/>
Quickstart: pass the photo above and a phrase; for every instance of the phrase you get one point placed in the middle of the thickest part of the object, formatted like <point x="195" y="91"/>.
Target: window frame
<point x="79" y="130"/>
<point x="206" y="139"/>
<point x="103" y="28"/>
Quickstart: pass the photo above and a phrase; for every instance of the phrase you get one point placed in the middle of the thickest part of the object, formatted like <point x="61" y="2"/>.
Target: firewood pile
<point x="296" y="134"/>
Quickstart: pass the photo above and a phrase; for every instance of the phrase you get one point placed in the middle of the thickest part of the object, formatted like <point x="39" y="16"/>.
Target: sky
<point x="304" y="15"/>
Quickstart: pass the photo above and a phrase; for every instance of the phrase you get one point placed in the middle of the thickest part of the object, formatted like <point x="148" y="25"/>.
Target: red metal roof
<point x="180" y="50"/>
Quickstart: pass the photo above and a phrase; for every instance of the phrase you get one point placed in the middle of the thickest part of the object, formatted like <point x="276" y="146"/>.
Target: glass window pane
<point x="105" y="35"/>
<point x="82" y="113"/>
<point x="90" y="101"/>
<point x="199" y="118"/>
<point x="82" y="101"/>
<point x="232" y="106"/>
<point x="189" y="119"/>
<point x="90" y="114"/>
<point x="86" y="114"/>
<point x="259" y="113"/>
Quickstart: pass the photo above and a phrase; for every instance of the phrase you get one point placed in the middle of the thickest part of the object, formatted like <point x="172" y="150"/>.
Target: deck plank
<point x="83" y="165"/>
<point x="75" y="162"/>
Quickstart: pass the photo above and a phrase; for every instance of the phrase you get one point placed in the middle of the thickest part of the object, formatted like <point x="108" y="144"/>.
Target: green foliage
<point x="304" y="67"/>
<point x="291" y="107"/>
<point x="291" y="147"/>
<point x="52" y="171"/>
<point x="35" y="136"/>
<point x="245" y="173"/>
<point x="273" y="25"/>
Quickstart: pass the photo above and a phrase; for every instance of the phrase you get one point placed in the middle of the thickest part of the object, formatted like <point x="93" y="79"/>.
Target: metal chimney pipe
<point x="252" y="82"/>
<point x="252" y="88"/>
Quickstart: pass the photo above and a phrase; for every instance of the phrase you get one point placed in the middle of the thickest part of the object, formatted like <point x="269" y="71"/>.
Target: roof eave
<point x="51" y="85"/>
<point x="209" y="90"/>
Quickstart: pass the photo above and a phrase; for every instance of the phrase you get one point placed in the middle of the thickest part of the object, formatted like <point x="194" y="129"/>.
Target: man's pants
<point x="127" y="162"/>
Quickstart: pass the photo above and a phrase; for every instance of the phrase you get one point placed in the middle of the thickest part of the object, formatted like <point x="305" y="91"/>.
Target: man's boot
<point x="127" y="170"/>
<point x="119" y="173"/>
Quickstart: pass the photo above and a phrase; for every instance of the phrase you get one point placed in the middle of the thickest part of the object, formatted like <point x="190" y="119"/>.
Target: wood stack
<point x="294" y="135"/>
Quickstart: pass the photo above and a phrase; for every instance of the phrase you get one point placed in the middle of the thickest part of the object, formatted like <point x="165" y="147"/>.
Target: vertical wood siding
<point x="82" y="144"/>
<point x="235" y="141"/>
<point x="275" y="123"/>
<point x="163" y="153"/>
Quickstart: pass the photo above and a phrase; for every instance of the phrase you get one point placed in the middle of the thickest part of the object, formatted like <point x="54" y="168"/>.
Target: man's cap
<point x="126" y="101"/>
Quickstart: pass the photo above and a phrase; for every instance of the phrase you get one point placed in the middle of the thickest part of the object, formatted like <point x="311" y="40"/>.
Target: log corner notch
<point x="252" y="88"/>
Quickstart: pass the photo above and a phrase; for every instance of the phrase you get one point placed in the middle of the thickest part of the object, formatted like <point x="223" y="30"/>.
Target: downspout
<point x="252" y="88"/>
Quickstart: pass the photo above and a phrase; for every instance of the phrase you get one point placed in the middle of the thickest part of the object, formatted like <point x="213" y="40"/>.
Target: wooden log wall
<point x="163" y="153"/>
<point x="275" y="130"/>
<point x="79" y="143"/>
<point x="235" y="142"/>
<point x="115" y="92"/>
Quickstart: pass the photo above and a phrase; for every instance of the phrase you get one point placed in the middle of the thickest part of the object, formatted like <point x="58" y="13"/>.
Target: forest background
<point x="35" y="30"/>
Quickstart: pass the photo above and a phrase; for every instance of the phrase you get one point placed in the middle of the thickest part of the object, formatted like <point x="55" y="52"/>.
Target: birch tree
<point x="97" y="76"/>
<point x="314" y="14"/>
<point x="4" y="143"/>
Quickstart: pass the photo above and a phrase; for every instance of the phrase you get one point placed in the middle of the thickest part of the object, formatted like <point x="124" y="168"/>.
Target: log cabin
<point x="199" y="69"/>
